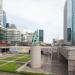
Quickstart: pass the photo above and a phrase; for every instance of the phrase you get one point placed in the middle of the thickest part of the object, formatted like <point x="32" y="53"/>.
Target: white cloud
<point x="48" y="14"/>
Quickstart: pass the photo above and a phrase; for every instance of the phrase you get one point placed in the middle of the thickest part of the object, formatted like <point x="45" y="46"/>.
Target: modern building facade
<point x="28" y="38"/>
<point x="2" y="15"/>
<point x="2" y="25"/>
<point x="13" y="35"/>
<point x="2" y="18"/>
<point x="41" y="35"/>
<point x="69" y="22"/>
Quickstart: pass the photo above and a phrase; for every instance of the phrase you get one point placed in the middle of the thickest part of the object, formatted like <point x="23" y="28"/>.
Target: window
<point x="69" y="34"/>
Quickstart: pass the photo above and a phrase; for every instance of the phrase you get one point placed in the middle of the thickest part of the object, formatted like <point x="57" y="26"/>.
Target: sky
<point x="28" y="15"/>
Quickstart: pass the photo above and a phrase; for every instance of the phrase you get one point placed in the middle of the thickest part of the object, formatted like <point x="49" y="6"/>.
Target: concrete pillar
<point x="71" y="67"/>
<point x="71" y="62"/>
<point x="36" y="56"/>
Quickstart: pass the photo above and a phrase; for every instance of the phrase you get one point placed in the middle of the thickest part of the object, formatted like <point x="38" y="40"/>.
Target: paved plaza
<point x="4" y="73"/>
<point x="55" y="66"/>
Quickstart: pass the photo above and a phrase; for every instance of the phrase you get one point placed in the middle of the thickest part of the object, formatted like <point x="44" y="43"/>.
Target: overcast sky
<point x="28" y="15"/>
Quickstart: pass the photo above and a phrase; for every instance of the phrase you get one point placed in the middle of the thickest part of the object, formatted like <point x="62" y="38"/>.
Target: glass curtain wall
<point x="73" y="21"/>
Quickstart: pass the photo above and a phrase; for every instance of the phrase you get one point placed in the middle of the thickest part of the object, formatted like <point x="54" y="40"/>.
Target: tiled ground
<point x="55" y="66"/>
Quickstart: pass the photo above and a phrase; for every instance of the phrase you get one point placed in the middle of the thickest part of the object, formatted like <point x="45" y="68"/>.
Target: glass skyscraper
<point x="2" y="24"/>
<point x="69" y="22"/>
<point x="41" y="35"/>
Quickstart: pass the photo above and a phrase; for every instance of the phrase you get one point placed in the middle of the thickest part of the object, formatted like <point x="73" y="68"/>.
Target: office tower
<point x="2" y="25"/>
<point x="2" y="15"/>
<point x="41" y="34"/>
<point x="69" y="22"/>
<point x="2" y="18"/>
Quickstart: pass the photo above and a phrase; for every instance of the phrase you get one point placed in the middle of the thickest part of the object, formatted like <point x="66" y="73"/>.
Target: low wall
<point x="20" y="49"/>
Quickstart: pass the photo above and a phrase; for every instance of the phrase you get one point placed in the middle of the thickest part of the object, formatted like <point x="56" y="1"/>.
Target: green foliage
<point x="10" y="64"/>
<point x="9" y="67"/>
<point x="2" y="62"/>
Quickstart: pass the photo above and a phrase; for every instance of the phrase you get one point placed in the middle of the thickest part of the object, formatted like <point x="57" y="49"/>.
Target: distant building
<point x="28" y="37"/>
<point x="57" y="42"/>
<point x="41" y="35"/>
<point x="2" y="18"/>
<point x="69" y="22"/>
<point x="3" y="40"/>
<point x="22" y="37"/>
<point x="2" y="25"/>
<point x="7" y="25"/>
<point x="13" y="35"/>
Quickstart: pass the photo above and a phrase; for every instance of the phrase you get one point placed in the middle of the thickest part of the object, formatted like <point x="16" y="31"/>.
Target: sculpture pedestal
<point x="36" y="56"/>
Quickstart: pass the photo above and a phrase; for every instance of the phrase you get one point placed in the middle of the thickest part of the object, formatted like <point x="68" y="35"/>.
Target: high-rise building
<point x="2" y="18"/>
<point x="69" y="22"/>
<point x="2" y="15"/>
<point x="41" y="34"/>
<point x="2" y="24"/>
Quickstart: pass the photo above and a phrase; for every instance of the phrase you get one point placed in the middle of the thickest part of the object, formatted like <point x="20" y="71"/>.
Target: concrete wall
<point x="69" y="53"/>
<point x="46" y="50"/>
<point x="20" y="49"/>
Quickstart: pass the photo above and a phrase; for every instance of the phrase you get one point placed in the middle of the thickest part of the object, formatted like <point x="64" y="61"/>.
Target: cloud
<point x="46" y="14"/>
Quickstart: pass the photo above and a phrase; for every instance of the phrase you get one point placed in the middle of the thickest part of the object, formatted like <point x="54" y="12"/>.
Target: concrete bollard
<point x="36" y="56"/>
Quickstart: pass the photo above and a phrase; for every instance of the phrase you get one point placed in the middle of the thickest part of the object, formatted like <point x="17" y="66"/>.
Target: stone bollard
<point x="36" y="56"/>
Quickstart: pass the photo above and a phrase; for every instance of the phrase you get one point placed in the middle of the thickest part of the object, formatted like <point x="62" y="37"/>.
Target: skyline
<point x="28" y="15"/>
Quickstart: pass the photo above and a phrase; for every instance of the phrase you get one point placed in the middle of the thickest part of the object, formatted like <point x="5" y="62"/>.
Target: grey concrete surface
<point x="55" y="66"/>
<point x="4" y="73"/>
